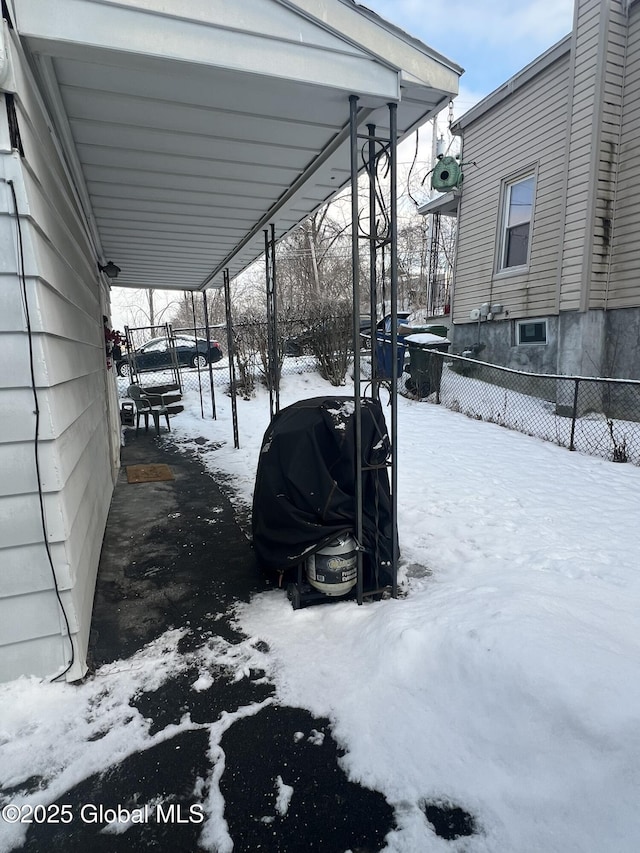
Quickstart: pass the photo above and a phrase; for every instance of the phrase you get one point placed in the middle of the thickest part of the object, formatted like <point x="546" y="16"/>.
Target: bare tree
<point x="189" y="311"/>
<point x="142" y="308"/>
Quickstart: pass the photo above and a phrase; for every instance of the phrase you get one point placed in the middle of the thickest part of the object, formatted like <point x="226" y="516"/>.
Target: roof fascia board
<point x="556" y="52"/>
<point x="126" y="28"/>
<point x="390" y="45"/>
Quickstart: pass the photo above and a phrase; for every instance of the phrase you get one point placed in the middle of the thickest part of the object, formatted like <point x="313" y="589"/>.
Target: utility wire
<point x="36" y="406"/>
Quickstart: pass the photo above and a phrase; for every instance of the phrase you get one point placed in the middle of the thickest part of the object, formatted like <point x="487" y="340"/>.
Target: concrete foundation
<point x="591" y="343"/>
<point x="494" y="342"/>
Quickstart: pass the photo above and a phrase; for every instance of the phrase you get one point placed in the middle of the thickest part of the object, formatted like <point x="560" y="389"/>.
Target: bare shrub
<point x="330" y="338"/>
<point x="249" y="330"/>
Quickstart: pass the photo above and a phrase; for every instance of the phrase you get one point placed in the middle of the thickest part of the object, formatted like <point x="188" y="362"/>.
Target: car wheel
<point x="199" y="361"/>
<point x="124" y="369"/>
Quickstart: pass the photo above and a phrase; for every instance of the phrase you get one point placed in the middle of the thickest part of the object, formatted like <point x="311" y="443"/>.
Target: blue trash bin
<point x="384" y="355"/>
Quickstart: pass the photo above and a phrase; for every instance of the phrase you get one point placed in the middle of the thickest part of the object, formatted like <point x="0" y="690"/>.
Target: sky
<point x="490" y="39"/>
<point x="505" y="680"/>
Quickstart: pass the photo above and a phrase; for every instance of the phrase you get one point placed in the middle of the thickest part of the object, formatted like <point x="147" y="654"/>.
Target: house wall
<point x="578" y="122"/>
<point x="623" y="289"/>
<point x="527" y="129"/>
<point x="76" y="444"/>
<point x="608" y="121"/>
<point x="582" y="141"/>
<point x="497" y="339"/>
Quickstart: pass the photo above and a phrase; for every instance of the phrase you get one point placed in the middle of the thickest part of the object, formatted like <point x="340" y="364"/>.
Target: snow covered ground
<point x="505" y="680"/>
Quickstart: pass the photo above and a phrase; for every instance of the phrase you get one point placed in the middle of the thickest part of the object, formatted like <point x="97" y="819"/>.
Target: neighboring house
<point x="165" y="137"/>
<point x="547" y="274"/>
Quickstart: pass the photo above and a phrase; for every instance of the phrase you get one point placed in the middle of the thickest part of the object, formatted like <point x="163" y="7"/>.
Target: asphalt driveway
<point x="176" y="556"/>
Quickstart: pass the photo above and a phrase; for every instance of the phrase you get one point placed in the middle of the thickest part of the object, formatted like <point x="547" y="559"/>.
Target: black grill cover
<point x="305" y="485"/>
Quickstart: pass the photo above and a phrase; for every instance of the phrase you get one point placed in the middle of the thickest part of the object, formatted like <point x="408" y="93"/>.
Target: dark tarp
<point x="305" y="485"/>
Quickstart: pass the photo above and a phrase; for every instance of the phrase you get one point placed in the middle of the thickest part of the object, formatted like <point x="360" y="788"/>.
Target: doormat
<point x="148" y="473"/>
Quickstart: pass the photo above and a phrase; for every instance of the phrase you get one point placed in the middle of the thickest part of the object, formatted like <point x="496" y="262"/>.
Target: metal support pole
<point x="171" y="343"/>
<point x="195" y="335"/>
<point x="373" y="293"/>
<point x="393" y="242"/>
<point x="274" y="279"/>
<point x="232" y="368"/>
<point x="207" y="328"/>
<point x="574" y="414"/>
<point x="270" y="340"/>
<point x="355" y="272"/>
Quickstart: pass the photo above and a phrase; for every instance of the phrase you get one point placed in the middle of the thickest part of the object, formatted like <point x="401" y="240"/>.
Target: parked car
<point x="384" y="324"/>
<point x="300" y="344"/>
<point x="158" y="354"/>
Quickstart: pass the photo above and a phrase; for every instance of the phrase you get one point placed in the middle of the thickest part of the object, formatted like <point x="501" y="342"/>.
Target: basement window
<point x="531" y="332"/>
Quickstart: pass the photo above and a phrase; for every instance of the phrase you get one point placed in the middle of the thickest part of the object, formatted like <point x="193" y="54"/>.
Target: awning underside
<point x="187" y="136"/>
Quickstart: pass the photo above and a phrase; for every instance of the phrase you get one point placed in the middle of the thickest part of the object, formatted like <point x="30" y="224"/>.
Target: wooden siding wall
<point x="65" y="302"/>
<point x="624" y="285"/>
<point x="613" y="29"/>
<point x="526" y="130"/>
<point x="582" y="136"/>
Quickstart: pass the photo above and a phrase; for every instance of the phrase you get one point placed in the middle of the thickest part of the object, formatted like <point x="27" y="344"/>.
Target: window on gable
<point x="517" y="218"/>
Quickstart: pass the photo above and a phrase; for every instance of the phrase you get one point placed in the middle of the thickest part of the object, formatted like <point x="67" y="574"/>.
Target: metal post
<point x="195" y="335"/>
<point x="207" y="328"/>
<point x="574" y="414"/>
<point x="393" y="243"/>
<point x="232" y="369"/>
<point x="274" y="280"/>
<point x="355" y="272"/>
<point x="171" y="343"/>
<point x="269" y="284"/>
<point x="373" y="295"/>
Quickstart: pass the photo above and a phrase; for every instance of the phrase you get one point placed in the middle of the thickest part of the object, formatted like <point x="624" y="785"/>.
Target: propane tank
<point x="333" y="569"/>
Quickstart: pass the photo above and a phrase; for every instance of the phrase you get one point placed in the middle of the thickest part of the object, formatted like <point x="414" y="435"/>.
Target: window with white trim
<point x="531" y="332"/>
<point x="517" y="218"/>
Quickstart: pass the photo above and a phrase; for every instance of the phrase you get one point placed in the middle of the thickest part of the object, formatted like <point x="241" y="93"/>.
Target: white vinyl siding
<point x="76" y="398"/>
<point x="525" y="129"/>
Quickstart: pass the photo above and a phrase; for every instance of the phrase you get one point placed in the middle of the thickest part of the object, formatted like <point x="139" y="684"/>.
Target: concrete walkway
<point x="175" y="556"/>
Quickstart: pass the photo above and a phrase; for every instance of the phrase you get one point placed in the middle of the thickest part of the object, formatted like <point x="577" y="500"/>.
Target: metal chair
<point x="148" y="404"/>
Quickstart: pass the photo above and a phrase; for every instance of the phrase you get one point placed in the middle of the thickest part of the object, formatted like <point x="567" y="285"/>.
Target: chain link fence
<point x="295" y="351"/>
<point x="600" y="417"/>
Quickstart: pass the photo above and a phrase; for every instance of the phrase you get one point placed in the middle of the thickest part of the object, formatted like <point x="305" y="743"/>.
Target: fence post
<point x="574" y="414"/>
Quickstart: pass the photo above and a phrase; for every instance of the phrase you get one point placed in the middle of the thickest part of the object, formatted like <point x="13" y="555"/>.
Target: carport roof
<point x="189" y="127"/>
